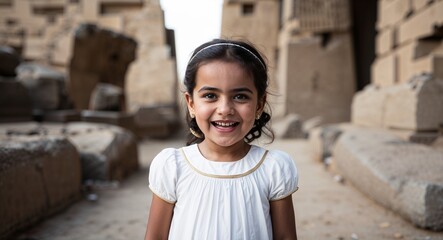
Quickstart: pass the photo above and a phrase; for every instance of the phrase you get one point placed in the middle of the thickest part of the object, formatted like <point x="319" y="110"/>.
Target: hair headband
<point x="229" y="44"/>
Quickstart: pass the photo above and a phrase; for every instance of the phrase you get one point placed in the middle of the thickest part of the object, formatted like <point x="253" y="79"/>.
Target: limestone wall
<point x="406" y="92"/>
<point x="316" y="63"/>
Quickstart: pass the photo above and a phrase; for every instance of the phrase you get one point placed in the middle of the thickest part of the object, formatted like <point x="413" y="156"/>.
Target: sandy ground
<point x="325" y="208"/>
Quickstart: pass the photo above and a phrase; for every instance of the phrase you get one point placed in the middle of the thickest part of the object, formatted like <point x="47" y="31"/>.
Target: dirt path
<point x="325" y="208"/>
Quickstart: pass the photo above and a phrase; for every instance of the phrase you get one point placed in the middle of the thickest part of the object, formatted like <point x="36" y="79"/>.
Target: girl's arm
<point x="160" y="217"/>
<point x="283" y="219"/>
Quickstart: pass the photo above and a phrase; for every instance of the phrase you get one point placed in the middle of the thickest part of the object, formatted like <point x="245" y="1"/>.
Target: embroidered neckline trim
<point x="225" y="176"/>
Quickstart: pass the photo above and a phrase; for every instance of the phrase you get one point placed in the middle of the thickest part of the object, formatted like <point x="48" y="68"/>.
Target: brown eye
<point x="209" y="96"/>
<point x="241" y="97"/>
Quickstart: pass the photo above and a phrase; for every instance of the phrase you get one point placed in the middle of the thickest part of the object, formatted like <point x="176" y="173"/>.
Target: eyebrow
<point x="205" y="88"/>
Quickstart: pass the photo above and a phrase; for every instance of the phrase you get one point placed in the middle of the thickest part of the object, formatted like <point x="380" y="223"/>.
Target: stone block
<point x="423" y="24"/>
<point x="428" y="65"/>
<point x="45" y="85"/>
<point x="81" y="85"/>
<point x="438" y="144"/>
<point x="384" y="71"/>
<point x="62" y="116"/>
<point x="112" y="22"/>
<point x="39" y="177"/>
<point x="418" y="57"/>
<point x="418" y="5"/>
<point x="323" y="16"/>
<point x="35" y="48"/>
<point x="107" y="152"/>
<point x="159" y="121"/>
<point x="401" y="176"/>
<point x="289" y="127"/>
<point x="14" y="41"/>
<point x="143" y="90"/>
<point x="121" y="119"/>
<point x="368" y="107"/>
<point x="15" y="102"/>
<point x="9" y="59"/>
<point x="415" y="105"/>
<point x="113" y="54"/>
<point x="316" y="144"/>
<point x="384" y="41"/>
<point x="392" y="13"/>
<point x="426" y="137"/>
<point x="62" y="52"/>
<point x="324" y="78"/>
<point x="90" y="10"/>
<point x="107" y="97"/>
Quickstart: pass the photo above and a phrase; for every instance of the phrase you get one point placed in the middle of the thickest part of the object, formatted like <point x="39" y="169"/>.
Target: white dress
<point x="222" y="200"/>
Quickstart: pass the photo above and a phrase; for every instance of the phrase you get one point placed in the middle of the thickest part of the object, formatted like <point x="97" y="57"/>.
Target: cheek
<point x="248" y="112"/>
<point x="202" y="111"/>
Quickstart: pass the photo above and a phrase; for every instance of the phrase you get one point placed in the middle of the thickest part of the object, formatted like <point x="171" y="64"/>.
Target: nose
<point x="225" y="107"/>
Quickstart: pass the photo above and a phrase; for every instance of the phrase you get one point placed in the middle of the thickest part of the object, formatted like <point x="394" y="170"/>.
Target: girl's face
<point x="225" y="102"/>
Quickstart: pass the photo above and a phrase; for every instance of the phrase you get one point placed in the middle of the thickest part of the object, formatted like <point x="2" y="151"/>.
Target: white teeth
<point x="223" y="124"/>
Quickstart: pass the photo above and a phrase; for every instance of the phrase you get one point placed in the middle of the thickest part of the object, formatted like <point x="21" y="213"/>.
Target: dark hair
<point x="250" y="59"/>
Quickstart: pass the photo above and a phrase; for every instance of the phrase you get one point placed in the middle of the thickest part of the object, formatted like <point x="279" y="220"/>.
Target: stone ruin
<point x="111" y="55"/>
<point x="392" y="148"/>
<point x="43" y="166"/>
<point x="70" y="65"/>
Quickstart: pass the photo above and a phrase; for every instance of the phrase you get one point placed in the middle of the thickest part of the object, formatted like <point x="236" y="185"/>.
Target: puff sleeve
<point x="163" y="175"/>
<point x="284" y="176"/>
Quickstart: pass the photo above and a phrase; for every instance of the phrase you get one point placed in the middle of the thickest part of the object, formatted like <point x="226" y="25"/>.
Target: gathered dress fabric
<point x="222" y="200"/>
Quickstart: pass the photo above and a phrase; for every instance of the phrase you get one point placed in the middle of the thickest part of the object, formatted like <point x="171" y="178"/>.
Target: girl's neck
<point x="219" y="153"/>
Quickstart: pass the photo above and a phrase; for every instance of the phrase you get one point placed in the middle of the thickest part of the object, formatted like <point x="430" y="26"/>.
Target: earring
<point x="258" y="116"/>
<point x="196" y="134"/>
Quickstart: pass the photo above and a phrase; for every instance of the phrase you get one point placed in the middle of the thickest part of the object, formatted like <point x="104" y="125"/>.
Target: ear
<point x="261" y="104"/>
<point x="189" y="103"/>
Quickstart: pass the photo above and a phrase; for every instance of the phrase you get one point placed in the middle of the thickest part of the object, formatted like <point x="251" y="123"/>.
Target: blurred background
<point x="85" y="83"/>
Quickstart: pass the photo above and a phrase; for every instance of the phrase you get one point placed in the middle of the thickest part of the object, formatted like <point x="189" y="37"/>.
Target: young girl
<point x="220" y="186"/>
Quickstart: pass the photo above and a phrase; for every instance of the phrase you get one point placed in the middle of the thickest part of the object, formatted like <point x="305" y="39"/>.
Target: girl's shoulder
<point x="167" y="156"/>
<point x="277" y="160"/>
<point x="168" y="153"/>
<point x="279" y="156"/>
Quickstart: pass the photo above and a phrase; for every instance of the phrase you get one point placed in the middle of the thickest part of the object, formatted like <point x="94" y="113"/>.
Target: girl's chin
<point x="227" y="141"/>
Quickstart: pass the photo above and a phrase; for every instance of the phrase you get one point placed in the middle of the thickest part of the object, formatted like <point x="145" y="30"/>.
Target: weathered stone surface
<point x="107" y="152"/>
<point x="69" y="115"/>
<point x="315" y="142"/>
<point x="121" y="119"/>
<point x="323" y="16"/>
<point x="425" y="137"/>
<point x="38" y="176"/>
<point x="416" y="105"/>
<point x="107" y="97"/>
<point x="402" y="176"/>
<point x="323" y="77"/>
<point x="156" y="121"/>
<point x="15" y="103"/>
<point x="438" y="144"/>
<point x="289" y="127"/>
<point x="9" y="60"/>
<point x="112" y="54"/>
<point x="152" y="77"/>
<point x="46" y="86"/>
<point x="322" y="139"/>
<point x="368" y="105"/>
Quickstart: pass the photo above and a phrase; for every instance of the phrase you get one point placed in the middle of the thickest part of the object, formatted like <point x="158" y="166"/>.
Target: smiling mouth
<point x="225" y="124"/>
